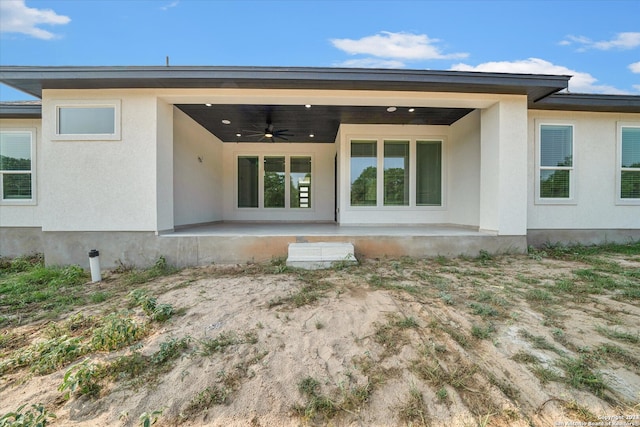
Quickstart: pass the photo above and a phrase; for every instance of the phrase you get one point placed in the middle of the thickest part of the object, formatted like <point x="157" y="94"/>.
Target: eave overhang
<point x="33" y="79"/>
<point x="589" y="102"/>
<point x="21" y="110"/>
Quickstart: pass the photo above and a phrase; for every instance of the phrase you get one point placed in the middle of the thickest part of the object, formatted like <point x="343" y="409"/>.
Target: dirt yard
<point x="548" y="339"/>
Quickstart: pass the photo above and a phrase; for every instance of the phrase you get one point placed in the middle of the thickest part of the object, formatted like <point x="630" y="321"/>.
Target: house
<point x="231" y="164"/>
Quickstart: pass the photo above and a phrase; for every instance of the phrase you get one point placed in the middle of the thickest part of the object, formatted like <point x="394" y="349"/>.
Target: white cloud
<point x="169" y="6"/>
<point x="16" y="17"/>
<point x="635" y="67"/>
<point x="580" y="82"/>
<point x="637" y="87"/>
<point x="370" y="63"/>
<point x="399" y="46"/>
<point x="622" y="41"/>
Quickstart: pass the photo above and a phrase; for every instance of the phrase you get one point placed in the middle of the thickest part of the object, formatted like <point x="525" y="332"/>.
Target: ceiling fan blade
<point x="282" y="137"/>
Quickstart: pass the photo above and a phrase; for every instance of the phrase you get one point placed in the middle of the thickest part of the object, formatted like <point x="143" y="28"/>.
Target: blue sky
<point x="598" y="42"/>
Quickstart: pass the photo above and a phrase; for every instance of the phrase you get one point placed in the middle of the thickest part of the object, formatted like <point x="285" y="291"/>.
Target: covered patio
<point x="237" y="242"/>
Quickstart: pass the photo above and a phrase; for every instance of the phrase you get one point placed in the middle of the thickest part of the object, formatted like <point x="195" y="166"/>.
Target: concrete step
<point x="317" y="255"/>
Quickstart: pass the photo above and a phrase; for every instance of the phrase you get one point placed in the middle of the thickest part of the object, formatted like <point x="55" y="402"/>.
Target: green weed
<point x="82" y="379"/>
<point x="36" y="416"/>
<point x="618" y="335"/>
<point x="116" y="332"/>
<point x="317" y="405"/>
<point x="413" y="410"/>
<point x="205" y="399"/>
<point x="138" y="277"/>
<point x="580" y="375"/>
<point x="170" y="349"/>
<point x="482" y="332"/>
<point x="35" y="291"/>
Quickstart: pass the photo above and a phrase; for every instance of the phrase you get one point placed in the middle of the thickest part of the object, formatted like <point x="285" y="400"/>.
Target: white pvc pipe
<point x="94" y="265"/>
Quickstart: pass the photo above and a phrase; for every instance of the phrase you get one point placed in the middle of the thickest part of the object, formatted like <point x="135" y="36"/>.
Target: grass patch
<point x="618" y="335"/>
<point x="539" y="342"/>
<point x="32" y="291"/>
<point x="307" y="294"/>
<point x="391" y="335"/>
<point x="317" y="406"/>
<point x="210" y="346"/>
<point x="137" y="277"/>
<point x="579" y="375"/>
<point x="413" y="410"/>
<point x="483" y="332"/>
<point x="205" y="399"/>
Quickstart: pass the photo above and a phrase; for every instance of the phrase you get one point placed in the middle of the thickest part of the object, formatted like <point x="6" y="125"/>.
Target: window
<point x="405" y="181"/>
<point x="429" y="173"/>
<point x="396" y="173"/>
<point x="629" y="163"/>
<point x="300" y="182"/>
<point x="88" y="120"/>
<point x="271" y="179"/>
<point x="364" y="173"/>
<point x="16" y="166"/>
<point x="247" y="181"/>
<point x="274" y="176"/>
<point x="556" y="162"/>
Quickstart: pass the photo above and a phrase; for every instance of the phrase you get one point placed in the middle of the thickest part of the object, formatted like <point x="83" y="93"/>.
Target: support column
<point x="164" y="166"/>
<point x="503" y="167"/>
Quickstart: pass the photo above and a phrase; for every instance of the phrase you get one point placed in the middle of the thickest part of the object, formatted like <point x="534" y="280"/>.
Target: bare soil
<point x="511" y="340"/>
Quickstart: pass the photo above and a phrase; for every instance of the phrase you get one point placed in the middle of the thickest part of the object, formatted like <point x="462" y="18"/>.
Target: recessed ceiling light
<point x="307" y="106"/>
<point x="311" y="135"/>
<point x="208" y="105"/>
<point x="238" y="135"/>
<point x="226" y="122"/>
<point x="391" y="109"/>
<point x="411" y="110"/>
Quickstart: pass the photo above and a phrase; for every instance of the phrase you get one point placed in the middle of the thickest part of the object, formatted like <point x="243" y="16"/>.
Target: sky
<point x="597" y="41"/>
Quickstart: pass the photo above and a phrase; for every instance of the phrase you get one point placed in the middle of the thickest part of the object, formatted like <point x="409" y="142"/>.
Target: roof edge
<point x="589" y="102"/>
<point x="32" y="79"/>
<point x="21" y="110"/>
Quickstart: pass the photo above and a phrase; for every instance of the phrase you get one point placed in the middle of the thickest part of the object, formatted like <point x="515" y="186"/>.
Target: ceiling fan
<point x="269" y="133"/>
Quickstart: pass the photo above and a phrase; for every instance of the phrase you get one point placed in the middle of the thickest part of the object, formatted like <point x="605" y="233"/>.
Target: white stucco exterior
<point x="102" y="185"/>
<point x="594" y="205"/>
<point x="161" y="171"/>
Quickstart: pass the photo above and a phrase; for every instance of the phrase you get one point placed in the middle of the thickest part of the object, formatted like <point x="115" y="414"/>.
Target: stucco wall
<point x="20" y="215"/>
<point x="464" y="171"/>
<point x="101" y="185"/>
<point x="503" y="160"/>
<point x="198" y="173"/>
<point x="595" y="148"/>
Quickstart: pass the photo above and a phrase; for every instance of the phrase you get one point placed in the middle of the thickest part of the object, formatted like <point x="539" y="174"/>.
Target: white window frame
<point x="24" y="202"/>
<point x="116" y="104"/>
<point x="619" y="200"/>
<point x="572" y="199"/>
<point x="287" y="190"/>
<point x="413" y="139"/>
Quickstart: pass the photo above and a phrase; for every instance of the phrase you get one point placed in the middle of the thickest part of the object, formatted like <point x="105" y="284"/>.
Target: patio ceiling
<point x="301" y="122"/>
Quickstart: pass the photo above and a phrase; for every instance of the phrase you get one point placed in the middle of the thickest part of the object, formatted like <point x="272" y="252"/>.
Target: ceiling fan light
<point x="268" y="135"/>
<point x="411" y="110"/>
<point x="391" y="109"/>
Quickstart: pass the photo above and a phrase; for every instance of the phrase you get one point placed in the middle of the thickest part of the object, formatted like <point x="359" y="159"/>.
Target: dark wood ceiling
<point x="320" y="120"/>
